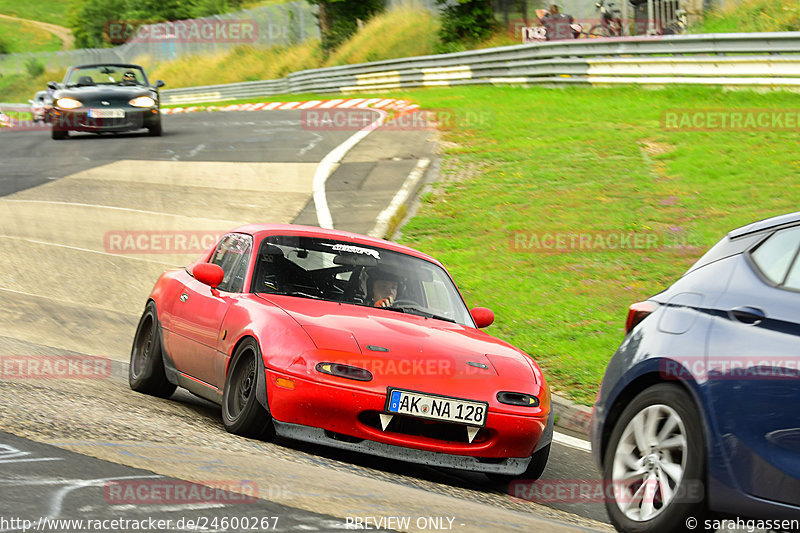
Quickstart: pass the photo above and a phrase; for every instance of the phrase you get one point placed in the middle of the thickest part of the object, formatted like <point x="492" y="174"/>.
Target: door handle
<point x="748" y="315"/>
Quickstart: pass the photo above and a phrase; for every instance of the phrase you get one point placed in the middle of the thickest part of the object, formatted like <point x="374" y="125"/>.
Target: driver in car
<point x="382" y="288"/>
<point x="129" y="78"/>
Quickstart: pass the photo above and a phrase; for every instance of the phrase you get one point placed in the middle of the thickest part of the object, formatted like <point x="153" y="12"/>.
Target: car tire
<point x="59" y="134"/>
<point x="146" y="370"/>
<point x="155" y="131"/>
<point x="664" y="421"/>
<point x="532" y="473"/>
<point x="242" y="414"/>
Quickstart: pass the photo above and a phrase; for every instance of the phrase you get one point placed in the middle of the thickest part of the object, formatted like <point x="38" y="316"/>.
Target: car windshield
<point x="105" y="75"/>
<point x="350" y="273"/>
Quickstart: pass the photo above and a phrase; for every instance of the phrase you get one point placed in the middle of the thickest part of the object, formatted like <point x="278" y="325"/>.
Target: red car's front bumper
<point x="346" y="417"/>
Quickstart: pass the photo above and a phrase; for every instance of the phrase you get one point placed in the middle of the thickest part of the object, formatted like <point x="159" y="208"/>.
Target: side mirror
<point x="52" y="85"/>
<point x="482" y="316"/>
<point x="30" y="102"/>
<point x="159" y="84"/>
<point x="208" y="273"/>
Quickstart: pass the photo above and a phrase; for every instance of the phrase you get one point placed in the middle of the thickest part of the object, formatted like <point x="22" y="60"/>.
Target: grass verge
<point x="587" y="161"/>
<point x="52" y="11"/>
<point x="401" y="32"/>
<point x="752" y="16"/>
<point x="25" y="37"/>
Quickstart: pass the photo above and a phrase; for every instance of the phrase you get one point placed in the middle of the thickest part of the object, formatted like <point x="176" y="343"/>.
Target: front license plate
<point x="435" y="407"/>
<point x="106" y="113"/>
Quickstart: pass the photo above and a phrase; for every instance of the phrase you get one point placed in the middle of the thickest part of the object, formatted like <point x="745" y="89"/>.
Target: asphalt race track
<point x="77" y="220"/>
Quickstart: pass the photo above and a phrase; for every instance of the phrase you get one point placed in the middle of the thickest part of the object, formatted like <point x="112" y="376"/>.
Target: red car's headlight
<point x="518" y="398"/>
<point x="344" y="371"/>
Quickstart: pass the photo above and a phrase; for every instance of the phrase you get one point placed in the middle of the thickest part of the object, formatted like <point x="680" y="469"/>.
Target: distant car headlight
<point x="143" y="101"/>
<point x="68" y="103"/>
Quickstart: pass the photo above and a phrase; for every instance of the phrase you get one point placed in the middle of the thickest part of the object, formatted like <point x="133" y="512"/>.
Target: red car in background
<point x="283" y="327"/>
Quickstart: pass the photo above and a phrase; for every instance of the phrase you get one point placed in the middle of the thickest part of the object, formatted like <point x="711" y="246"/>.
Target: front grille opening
<point x="342" y="437"/>
<point x="492" y="460"/>
<point x="420" y="427"/>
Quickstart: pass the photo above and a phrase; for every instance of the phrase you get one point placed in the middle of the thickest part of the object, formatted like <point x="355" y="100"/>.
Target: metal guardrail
<point x="737" y="59"/>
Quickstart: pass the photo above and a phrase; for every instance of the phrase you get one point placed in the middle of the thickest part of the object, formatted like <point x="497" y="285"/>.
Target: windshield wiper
<point x="296" y="293"/>
<point x="418" y="311"/>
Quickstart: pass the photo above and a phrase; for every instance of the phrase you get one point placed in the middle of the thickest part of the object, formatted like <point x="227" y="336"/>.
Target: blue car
<point x="698" y="415"/>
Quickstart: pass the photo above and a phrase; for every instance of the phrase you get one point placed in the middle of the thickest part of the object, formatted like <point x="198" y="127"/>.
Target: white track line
<point x="413" y="179"/>
<point x="88" y="250"/>
<point x="572" y="442"/>
<point x="352" y="103"/>
<point x="330" y="103"/>
<point x="369" y="102"/>
<point x="325" y="168"/>
<point x="114" y="208"/>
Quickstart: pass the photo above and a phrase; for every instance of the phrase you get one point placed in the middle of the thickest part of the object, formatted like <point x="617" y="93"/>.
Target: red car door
<point x="197" y="316"/>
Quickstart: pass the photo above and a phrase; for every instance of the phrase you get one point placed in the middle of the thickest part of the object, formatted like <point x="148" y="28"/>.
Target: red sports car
<point x="344" y="340"/>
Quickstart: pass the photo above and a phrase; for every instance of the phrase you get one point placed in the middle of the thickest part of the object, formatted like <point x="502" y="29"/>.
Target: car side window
<point x="233" y="255"/>
<point x="793" y="278"/>
<point x="776" y="257"/>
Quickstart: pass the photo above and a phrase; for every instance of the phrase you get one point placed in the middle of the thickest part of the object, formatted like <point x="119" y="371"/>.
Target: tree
<point x="91" y="19"/>
<point x="338" y="19"/>
<point x="466" y="20"/>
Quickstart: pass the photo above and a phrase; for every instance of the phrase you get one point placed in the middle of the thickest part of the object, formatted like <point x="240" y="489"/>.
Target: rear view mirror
<point x="159" y="84"/>
<point x="482" y="316"/>
<point x="208" y="273"/>
<point x="52" y="85"/>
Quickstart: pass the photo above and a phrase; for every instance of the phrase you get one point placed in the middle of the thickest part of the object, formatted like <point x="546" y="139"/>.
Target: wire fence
<point x="276" y="24"/>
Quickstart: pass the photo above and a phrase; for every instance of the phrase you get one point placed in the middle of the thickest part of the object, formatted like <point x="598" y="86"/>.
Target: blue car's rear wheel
<point x="242" y="414"/>
<point x="655" y="463"/>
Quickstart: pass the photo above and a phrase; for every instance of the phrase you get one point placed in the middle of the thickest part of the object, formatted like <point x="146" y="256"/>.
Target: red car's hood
<point x="395" y="343"/>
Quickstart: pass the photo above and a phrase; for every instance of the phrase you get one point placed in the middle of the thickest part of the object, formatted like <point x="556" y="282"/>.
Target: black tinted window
<point x="777" y="255"/>
<point x="348" y="273"/>
<point x="233" y="255"/>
